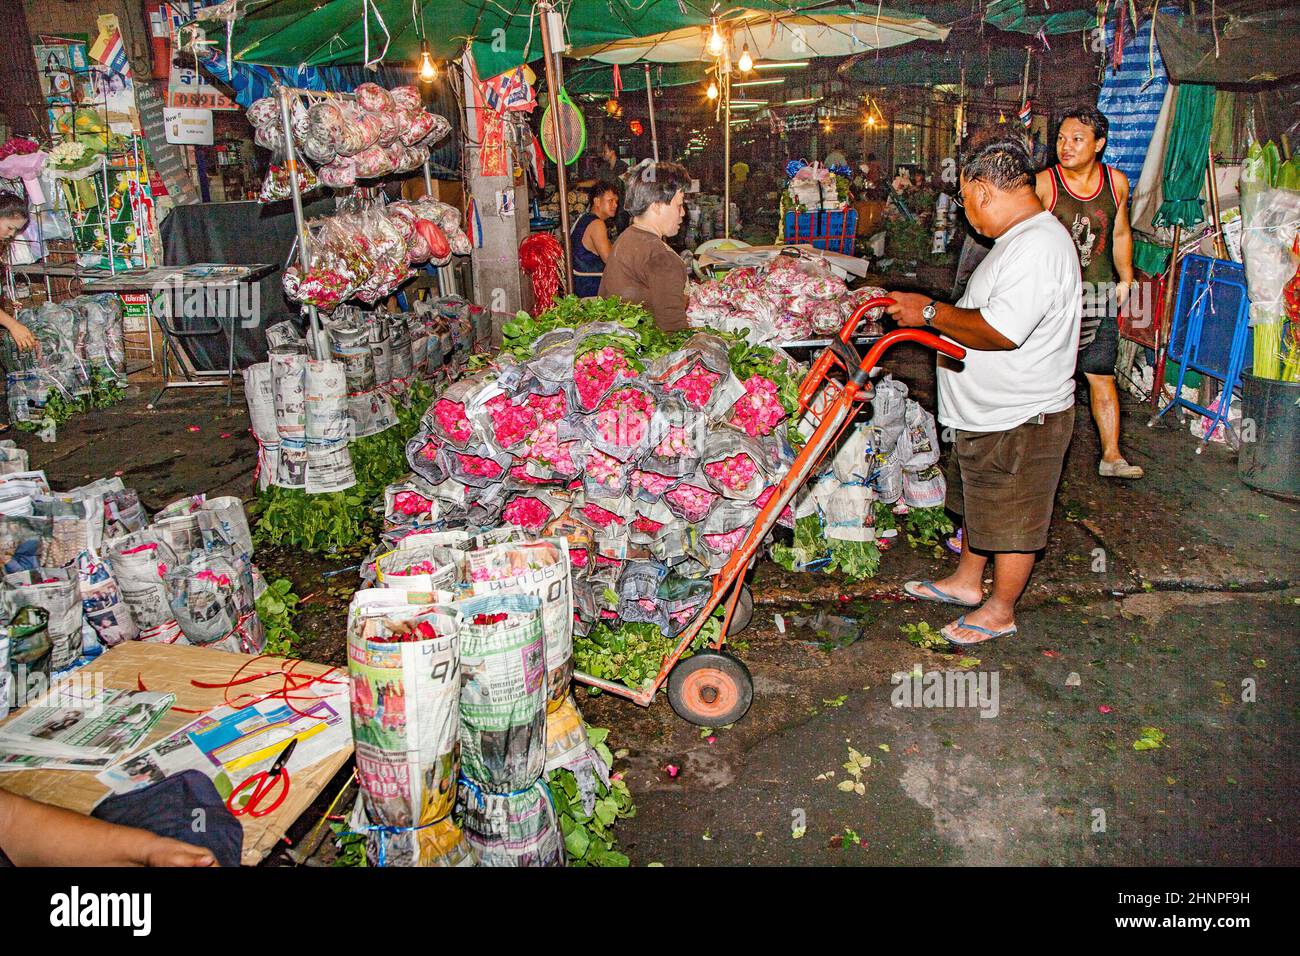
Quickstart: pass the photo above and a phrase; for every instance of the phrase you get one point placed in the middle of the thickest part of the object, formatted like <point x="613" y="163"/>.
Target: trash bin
<point x="1271" y="462"/>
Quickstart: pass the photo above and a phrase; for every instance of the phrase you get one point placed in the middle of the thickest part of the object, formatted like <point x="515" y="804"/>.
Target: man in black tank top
<point x="1091" y="200"/>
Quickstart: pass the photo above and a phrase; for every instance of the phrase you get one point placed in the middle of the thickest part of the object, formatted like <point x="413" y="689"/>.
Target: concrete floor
<point x="1198" y="594"/>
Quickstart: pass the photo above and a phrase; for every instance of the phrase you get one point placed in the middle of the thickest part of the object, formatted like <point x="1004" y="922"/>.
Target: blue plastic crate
<point x="833" y="231"/>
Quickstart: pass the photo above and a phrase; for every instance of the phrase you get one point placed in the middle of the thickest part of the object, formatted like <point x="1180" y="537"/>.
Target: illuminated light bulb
<point x="871" y="121"/>
<point x="715" y="44"/>
<point x="428" y="70"/>
<point x="746" y="62"/>
<point x="712" y="91"/>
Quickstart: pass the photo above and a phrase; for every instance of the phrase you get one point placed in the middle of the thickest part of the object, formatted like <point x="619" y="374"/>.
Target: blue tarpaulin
<point x="1131" y="96"/>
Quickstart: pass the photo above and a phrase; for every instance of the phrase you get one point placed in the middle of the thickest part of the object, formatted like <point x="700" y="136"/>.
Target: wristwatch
<point x="928" y="313"/>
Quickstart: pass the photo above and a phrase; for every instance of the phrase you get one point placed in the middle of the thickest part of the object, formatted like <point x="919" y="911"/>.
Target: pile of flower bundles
<point x="616" y="437"/>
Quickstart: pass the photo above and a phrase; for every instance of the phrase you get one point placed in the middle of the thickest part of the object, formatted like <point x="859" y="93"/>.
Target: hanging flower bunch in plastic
<point x="540" y="256"/>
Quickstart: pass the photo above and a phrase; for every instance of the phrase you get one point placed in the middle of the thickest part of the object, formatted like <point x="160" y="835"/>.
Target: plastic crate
<point x="832" y="231"/>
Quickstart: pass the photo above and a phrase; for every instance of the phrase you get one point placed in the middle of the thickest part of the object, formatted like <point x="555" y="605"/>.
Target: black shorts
<point x="1003" y="483"/>
<point x="1098" y="356"/>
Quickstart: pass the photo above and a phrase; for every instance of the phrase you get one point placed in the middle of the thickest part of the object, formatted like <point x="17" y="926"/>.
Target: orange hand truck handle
<point x="920" y="336"/>
<point x="844" y="348"/>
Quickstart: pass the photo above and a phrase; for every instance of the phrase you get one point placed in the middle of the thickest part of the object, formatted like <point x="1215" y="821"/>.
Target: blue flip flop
<point x="936" y="595"/>
<point x="961" y="622"/>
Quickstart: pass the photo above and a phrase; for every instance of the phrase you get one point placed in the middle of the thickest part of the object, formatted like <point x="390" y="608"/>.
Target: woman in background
<point x="590" y="239"/>
<point x="13" y="220"/>
<point x="642" y="268"/>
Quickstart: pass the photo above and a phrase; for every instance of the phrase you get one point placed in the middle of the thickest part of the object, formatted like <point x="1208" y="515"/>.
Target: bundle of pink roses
<point x="696" y="385"/>
<point x="605" y="470"/>
<point x="546" y="449"/>
<point x="527" y="513"/>
<point x="451" y="419"/>
<point x="520" y="473"/>
<point x="550" y="408"/>
<point x="691" y="501"/>
<point x="412" y="503"/>
<point x="510" y="423"/>
<point x="478" y="466"/>
<point x="676" y="444"/>
<point x="595" y="372"/>
<point x="726" y="541"/>
<point x="736" y="472"/>
<point x="624" y="416"/>
<point x="654" y="484"/>
<point x="646" y="525"/>
<point x="759" y="411"/>
<point x="601" y="517"/>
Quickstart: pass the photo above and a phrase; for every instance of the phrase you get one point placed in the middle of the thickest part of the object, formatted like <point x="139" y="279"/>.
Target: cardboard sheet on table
<point x="170" y="668"/>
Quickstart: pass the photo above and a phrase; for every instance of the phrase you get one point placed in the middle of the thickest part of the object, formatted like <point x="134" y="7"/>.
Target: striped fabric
<point x="1130" y="102"/>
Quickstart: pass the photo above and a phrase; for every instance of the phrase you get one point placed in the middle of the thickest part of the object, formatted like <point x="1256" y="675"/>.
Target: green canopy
<point x="329" y="32"/>
<point x="503" y="34"/>
<point x="1187" y="156"/>
<point x="598" y="78"/>
<point x="1012" y="16"/>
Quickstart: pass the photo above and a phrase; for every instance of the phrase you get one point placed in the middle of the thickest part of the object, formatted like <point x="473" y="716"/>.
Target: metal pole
<point x="1166" y="312"/>
<point x="1212" y="190"/>
<point x="726" y="160"/>
<point x="446" y="275"/>
<point x="304" y="247"/>
<point x="650" y="101"/>
<point x="553" y="81"/>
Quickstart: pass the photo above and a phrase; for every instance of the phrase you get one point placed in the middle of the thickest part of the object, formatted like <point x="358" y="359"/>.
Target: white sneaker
<point x="1119" y="469"/>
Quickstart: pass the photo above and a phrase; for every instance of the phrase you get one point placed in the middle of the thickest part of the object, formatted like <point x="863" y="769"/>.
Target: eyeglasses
<point x="958" y="201"/>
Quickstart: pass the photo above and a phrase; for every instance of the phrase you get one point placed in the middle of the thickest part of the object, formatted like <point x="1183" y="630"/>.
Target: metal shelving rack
<point x="286" y="96"/>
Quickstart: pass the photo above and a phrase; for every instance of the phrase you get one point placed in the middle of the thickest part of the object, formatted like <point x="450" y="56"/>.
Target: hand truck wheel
<point x="744" y="611"/>
<point x="710" y="689"/>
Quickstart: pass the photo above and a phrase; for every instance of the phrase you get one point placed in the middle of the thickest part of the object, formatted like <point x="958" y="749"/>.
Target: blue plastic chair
<point x="1209" y="333"/>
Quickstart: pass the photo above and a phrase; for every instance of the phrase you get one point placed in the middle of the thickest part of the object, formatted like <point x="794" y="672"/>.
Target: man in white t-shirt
<point x="1010" y="404"/>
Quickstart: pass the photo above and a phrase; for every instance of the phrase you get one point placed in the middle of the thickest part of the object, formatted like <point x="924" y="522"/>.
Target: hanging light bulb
<point x="746" y="62"/>
<point x="715" y="45"/>
<point x="428" y="69"/>
<point x="712" y="91"/>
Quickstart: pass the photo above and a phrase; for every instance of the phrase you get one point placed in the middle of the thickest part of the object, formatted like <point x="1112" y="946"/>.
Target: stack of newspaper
<point x="80" y="727"/>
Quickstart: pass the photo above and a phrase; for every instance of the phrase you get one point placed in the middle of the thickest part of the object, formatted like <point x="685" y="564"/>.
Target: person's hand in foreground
<point x="22" y="335"/>
<point x="37" y="834"/>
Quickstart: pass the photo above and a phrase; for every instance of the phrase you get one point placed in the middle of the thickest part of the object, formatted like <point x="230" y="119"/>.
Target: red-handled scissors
<point x="262" y="783"/>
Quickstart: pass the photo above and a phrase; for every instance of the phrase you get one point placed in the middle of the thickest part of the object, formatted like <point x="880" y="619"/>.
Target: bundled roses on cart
<point x="791" y="299"/>
<point x="649" y="452"/>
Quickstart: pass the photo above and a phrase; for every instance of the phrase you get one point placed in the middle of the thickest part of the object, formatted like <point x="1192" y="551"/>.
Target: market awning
<point x="791" y="32"/>
<point x="1067" y="16"/>
<point x="328" y="32"/>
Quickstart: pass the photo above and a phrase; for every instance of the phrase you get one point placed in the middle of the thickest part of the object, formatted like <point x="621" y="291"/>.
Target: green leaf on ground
<point x="1151" y="738"/>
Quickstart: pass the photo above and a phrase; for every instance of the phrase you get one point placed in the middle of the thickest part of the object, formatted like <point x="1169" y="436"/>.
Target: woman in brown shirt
<point x="641" y="267"/>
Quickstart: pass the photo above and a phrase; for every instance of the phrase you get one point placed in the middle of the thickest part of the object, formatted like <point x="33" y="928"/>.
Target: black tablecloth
<point x="236" y="233"/>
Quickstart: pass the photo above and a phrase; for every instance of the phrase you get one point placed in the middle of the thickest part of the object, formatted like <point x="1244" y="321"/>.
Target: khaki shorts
<point x="1003" y="484"/>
